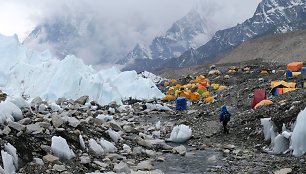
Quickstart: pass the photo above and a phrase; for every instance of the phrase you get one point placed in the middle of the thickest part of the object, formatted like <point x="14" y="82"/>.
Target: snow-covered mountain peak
<point x="270" y="17"/>
<point x="190" y="25"/>
<point x="190" y="31"/>
<point x="277" y="11"/>
<point x="140" y="51"/>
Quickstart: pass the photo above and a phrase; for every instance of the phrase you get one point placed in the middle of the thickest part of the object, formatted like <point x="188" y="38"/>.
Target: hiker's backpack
<point x="227" y="116"/>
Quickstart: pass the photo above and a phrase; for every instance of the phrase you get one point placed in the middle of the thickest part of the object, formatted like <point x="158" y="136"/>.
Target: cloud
<point x="117" y="25"/>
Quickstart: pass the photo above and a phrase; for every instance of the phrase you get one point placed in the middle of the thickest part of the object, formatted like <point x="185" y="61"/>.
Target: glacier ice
<point x="287" y="134"/>
<point x="55" y="107"/>
<point x="281" y="144"/>
<point x="126" y="148"/>
<point x="299" y="135"/>
<point x="157" y="125"/>
<point x="8" y="162"/>
<point x="273" y="135"/>
<point x="61" y="149"/>
<point x="95" y="147"/>
<point x="287" y="140"/>
<point x="266" y="123"/>
<point x="9" y="110"/>
<point x="26" y="72"/>
<point x="123" y="108"/>
<point x="115" y="136"/>
<point x="18" y="101"/>
<point x="157" y="107"/>
<point x="156" y="79"/>
<point x="82" y="143"/>
<point x="105" y="117"/>
<point x="180" y="133"/>
<point x="13" y="152"/>
<point x="107" y="146"/>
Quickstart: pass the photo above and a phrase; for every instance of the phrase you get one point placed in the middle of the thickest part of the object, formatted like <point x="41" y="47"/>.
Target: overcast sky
<point x="131" y="21"/>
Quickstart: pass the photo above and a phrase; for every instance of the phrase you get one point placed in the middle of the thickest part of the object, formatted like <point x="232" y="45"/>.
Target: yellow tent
<point x="215" y="86"/>
<point x="170" y="92"/>
<point x="209" y="99"/>
<point x="246" y="69"/>
<point x="288" y="89"/>
<point x="177" y="92"/>
<point x="173" y="81"/>
<point x="169" y="98"/>
<point x="166" y="83"/>
<point x="262" y="103"/>
<point x="199" y="78"/>
<point x="221" y="88"/>
<point x="282" y="82"/>
<point x="226" y="76"/>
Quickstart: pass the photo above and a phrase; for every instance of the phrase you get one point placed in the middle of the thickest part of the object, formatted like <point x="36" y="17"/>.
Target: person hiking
<point x="225" y="117"/>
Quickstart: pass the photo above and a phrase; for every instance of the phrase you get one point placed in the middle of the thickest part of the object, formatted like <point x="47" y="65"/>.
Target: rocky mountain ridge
<point x="281" y="48"/>
<point x="270" y="17"/>
<point x="191" y="31"/>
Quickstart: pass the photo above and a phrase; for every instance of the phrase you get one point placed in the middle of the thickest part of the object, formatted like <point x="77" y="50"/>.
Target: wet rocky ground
<point x="244" y="149"/>
<point x="140" y="134"/>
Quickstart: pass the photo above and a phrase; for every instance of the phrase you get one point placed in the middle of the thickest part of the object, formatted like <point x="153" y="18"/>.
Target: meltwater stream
<point x="195" y="162"/>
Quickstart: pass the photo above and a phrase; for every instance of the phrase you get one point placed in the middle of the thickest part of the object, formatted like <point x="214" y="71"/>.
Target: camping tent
<point x="214" y="72"/>
<point x="169" y="98"/>
<point x="259" y="95"/>
<point x="264" y="71"/>
<point x="281" y="87"/>
<point x="295" y="66"/>
<point x="282" y="82"/>
<point x="262" y="103"/>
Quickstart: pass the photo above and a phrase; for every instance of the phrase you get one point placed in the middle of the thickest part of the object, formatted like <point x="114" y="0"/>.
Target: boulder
<point x="180" y="150"/>
<point x="82" y="100"/>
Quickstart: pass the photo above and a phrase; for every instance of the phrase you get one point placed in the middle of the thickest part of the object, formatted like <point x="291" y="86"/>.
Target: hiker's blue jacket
<point x="224" y="113"/>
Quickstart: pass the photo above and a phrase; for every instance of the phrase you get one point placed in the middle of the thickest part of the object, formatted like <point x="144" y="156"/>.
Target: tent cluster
<point x="232" y="69"/>
<point x="295" y="69"/>
<point x="194" y="89"/>
<point x="279" y="87"/>
<point x="200" y="88"/>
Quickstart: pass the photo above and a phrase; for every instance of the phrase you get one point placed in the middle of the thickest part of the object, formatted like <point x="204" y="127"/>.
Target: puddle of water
<point x="197" y="162"/>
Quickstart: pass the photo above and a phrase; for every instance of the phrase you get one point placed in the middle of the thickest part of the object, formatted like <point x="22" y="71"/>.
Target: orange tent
<point x="185" y="94"/>
<point x="264" y="71"/>
<point x="169" y="98"/>
<point x="203" y="83"/>
<point x="209" y="99"/>
<point x="166" y="83"/>
<point x="195" y="96"/>
<point x="295" y="66"/>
